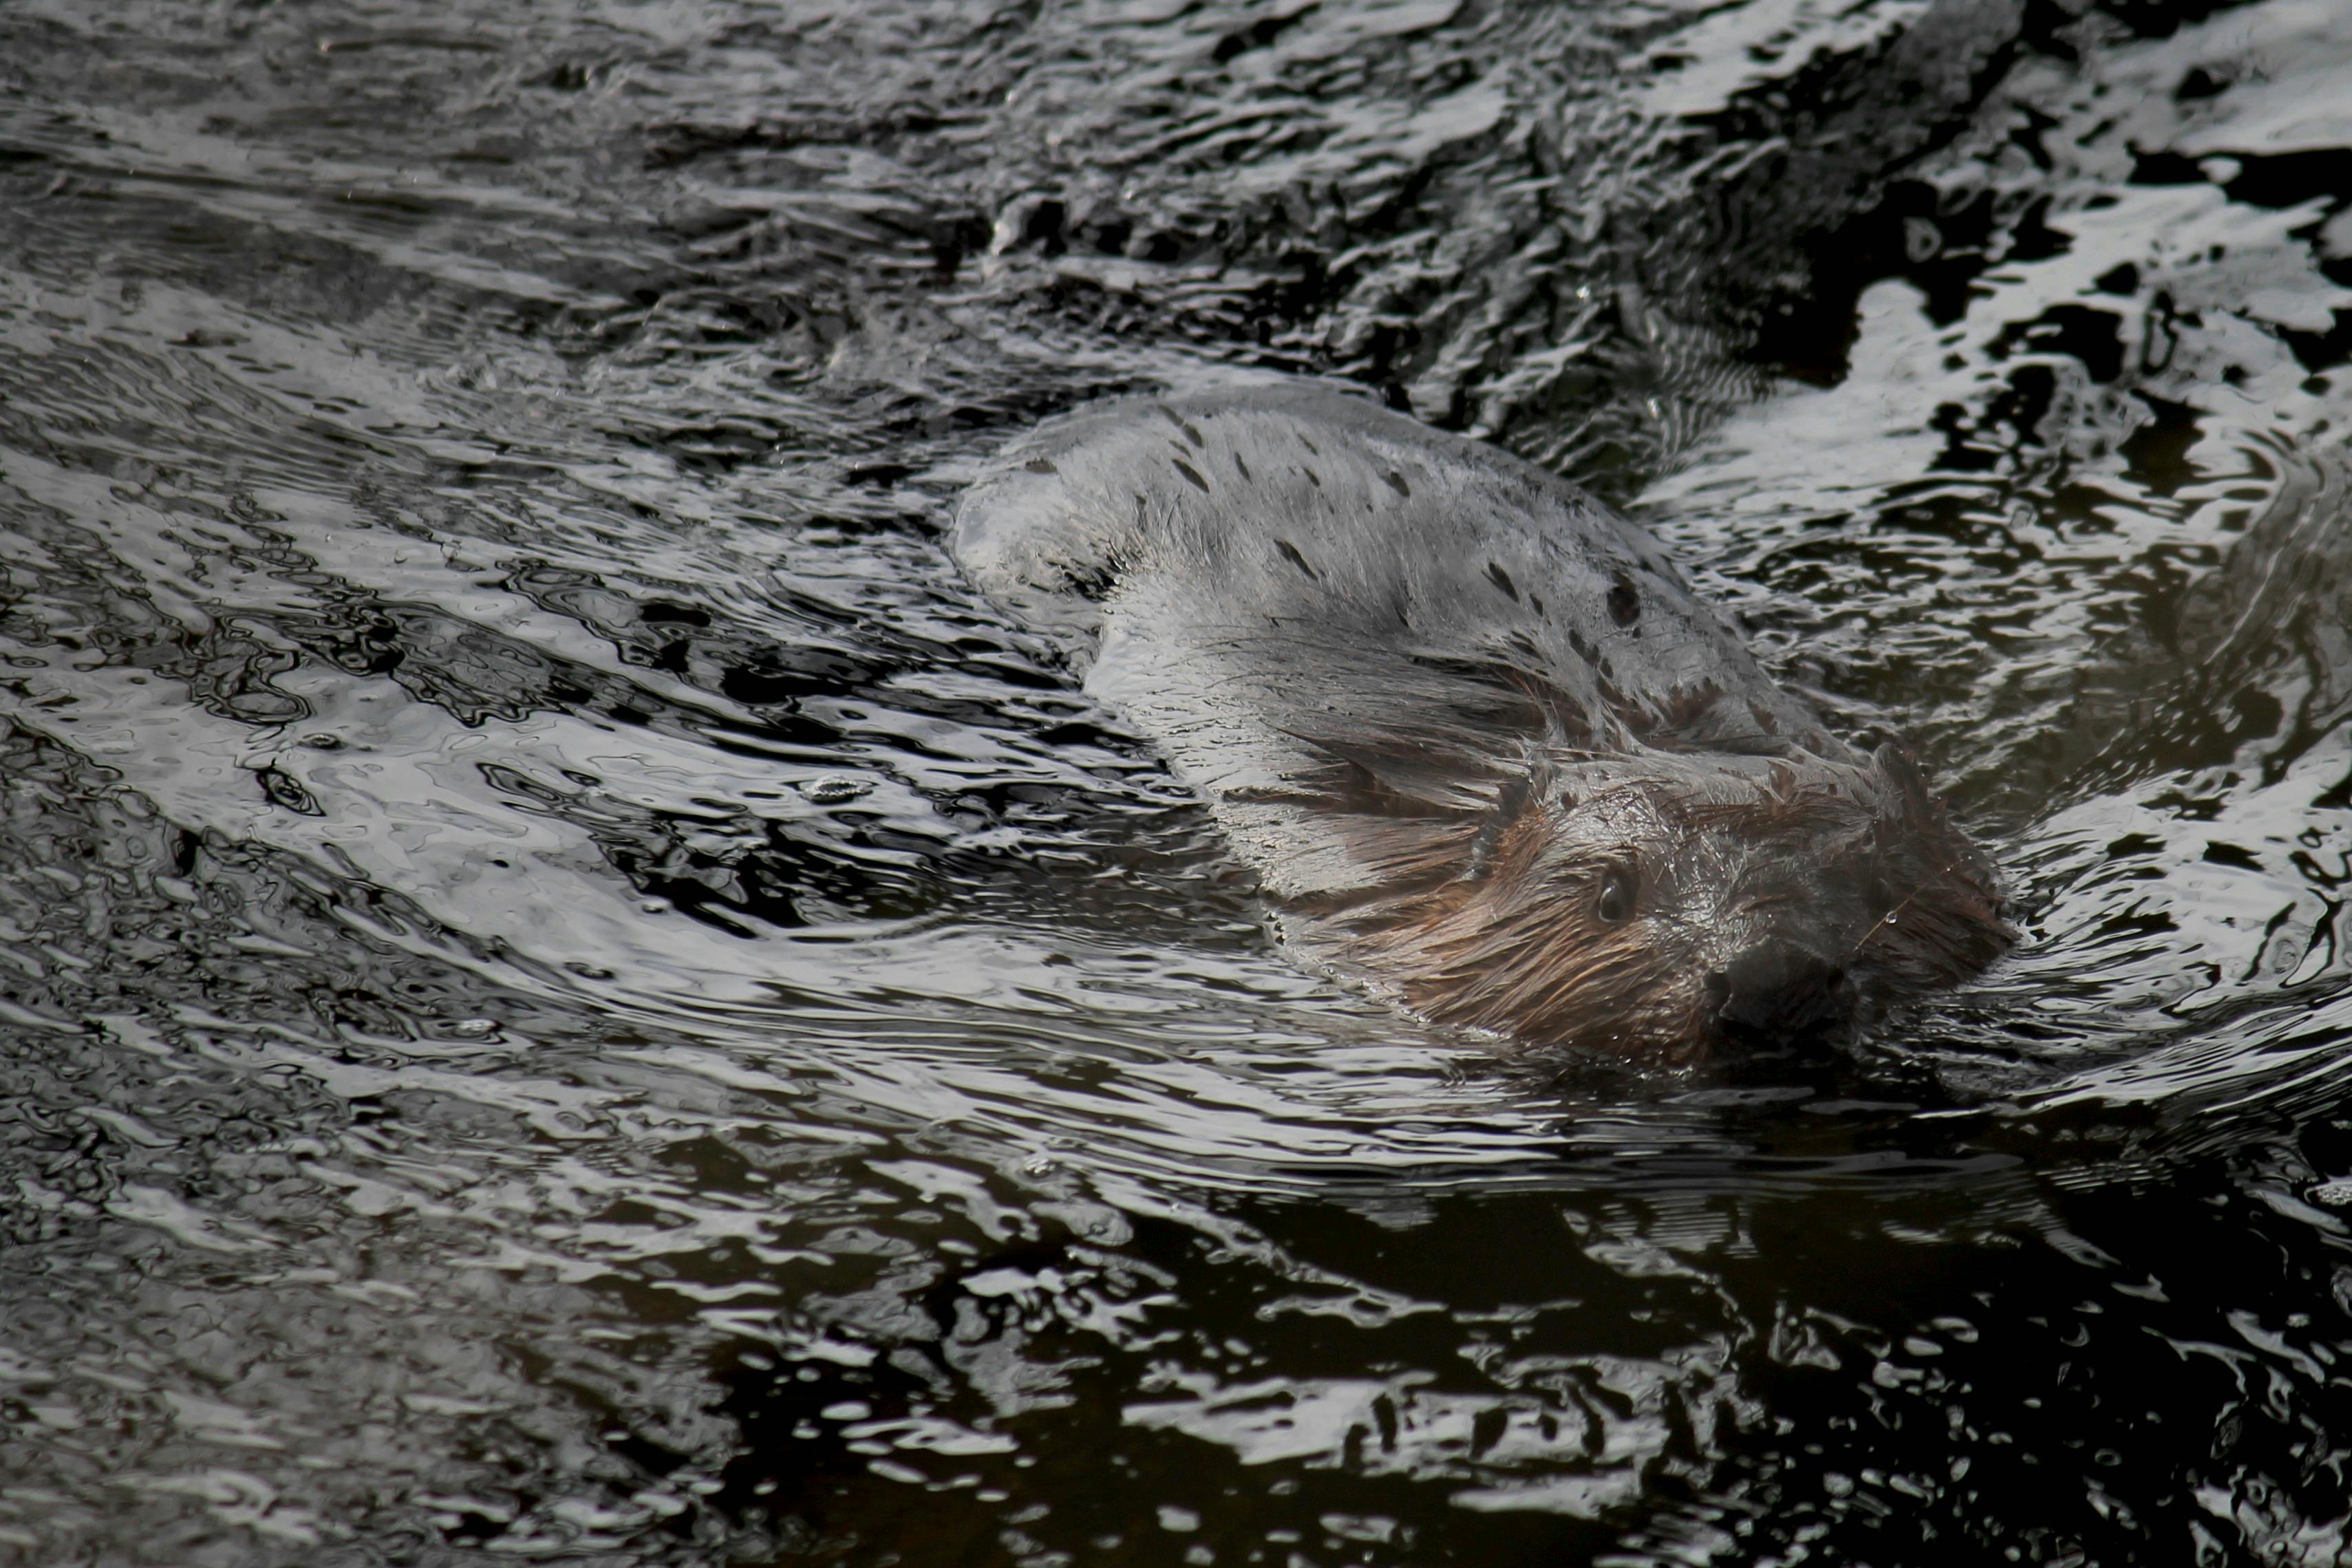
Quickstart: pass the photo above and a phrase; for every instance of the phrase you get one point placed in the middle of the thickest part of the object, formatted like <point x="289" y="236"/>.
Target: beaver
<point x="1486" y="751"/>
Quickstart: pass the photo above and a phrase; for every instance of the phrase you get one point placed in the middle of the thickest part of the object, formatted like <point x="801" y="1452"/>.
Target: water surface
<point x="569" y="991"/>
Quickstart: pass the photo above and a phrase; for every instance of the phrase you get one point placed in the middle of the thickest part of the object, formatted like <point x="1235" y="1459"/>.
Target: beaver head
<point x="1652" y="904"/>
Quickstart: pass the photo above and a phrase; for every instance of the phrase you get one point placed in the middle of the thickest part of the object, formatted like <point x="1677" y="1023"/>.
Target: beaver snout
<point x="1777" y="994"/>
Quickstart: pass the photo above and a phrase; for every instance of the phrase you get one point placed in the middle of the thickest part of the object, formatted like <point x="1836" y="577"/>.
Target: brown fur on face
<point x="1617" y="903"/>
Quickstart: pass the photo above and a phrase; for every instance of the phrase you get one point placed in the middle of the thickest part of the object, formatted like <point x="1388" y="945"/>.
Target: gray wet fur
<point x="1433" y="694"/>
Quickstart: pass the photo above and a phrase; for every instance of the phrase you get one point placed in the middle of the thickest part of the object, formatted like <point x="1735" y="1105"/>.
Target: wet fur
<point x="1480" y="914"/>
<point x="1439" y="697"/>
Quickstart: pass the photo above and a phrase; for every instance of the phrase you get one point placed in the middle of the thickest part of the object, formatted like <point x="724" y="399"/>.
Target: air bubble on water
<point x="831" y="789"/>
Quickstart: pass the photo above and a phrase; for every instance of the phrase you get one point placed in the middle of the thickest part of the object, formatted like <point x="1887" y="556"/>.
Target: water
<point x="570" y="991"/>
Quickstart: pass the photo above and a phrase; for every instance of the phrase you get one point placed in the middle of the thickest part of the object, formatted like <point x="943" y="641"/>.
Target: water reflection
<point x="569" y="990"/>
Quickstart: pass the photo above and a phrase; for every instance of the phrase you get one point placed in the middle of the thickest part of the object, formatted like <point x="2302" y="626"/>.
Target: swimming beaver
<point x="1483" y="748"/>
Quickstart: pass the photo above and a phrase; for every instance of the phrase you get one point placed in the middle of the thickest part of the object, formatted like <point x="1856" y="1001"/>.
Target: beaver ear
<point x="1958" y="900"/>
<point x="1396" y="774"/>
<point x="1401" y="854"/>
<point x="1511" y="801"/>
<point x="1451" y="737"/>
<point x="1919" y="817"/>
<point x="1899" y="769"/>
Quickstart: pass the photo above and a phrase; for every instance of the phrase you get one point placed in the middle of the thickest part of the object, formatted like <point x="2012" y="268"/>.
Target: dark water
<point x="568" y="992"/>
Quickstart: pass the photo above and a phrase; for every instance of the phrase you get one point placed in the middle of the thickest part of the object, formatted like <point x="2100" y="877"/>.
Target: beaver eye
<point x="1616" y="902"/>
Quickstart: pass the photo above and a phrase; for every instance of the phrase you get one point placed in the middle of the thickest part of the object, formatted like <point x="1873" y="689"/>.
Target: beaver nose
<point x="1777" y="993"/>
